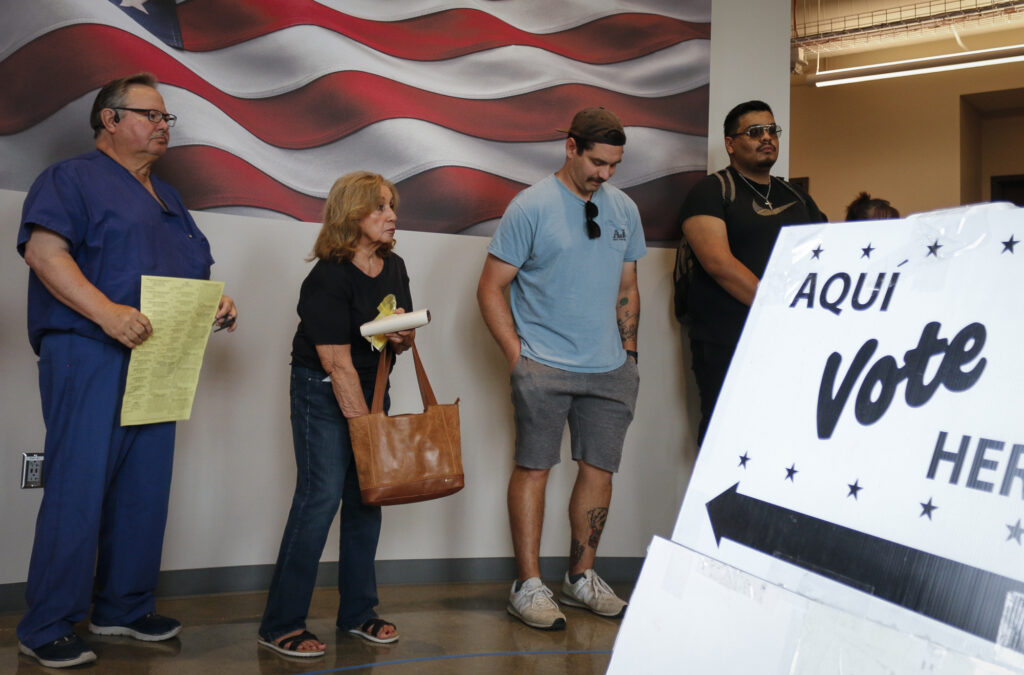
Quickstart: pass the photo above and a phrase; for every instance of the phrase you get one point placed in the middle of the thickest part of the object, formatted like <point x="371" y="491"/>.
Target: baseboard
<point x="212" y="580"/>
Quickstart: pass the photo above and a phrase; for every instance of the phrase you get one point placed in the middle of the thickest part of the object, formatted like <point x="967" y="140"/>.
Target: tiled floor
<point x="447" y="628"/>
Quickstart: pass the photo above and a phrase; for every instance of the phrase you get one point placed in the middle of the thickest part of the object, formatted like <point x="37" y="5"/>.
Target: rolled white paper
<point x="395" y="322"/>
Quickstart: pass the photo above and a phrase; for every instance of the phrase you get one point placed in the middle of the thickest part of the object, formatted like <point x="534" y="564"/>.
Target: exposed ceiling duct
<point x="832" y="27"/>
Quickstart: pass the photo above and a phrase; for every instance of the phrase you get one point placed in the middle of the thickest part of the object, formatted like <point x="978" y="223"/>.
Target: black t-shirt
<point x="717" y="316"/>
<point x="335" y="299"/>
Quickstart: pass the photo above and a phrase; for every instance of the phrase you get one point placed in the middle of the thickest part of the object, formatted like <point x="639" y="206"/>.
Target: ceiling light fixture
<point x="929" y="64"/>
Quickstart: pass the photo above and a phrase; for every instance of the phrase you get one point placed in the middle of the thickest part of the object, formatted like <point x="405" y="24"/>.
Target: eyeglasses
<point x="154" y="116"/>
<point x="755" y="131"/>
<point x="593" y="229"/>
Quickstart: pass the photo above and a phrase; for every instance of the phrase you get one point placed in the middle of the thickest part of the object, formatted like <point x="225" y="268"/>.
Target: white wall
<point x="749" y="60"/>
<point x="234" y="467"/>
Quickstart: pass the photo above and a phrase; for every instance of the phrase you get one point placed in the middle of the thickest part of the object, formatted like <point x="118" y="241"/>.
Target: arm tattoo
<point x="597" y="518"/>
<point x="627" y="314"/>
<point x="627" y="325"/>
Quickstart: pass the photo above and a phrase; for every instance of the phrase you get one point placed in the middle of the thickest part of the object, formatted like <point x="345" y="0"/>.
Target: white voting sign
<point x="868" y="446"/>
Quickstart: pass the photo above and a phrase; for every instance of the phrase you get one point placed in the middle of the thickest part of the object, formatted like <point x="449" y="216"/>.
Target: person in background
<point x="731" y="219"/>
<point x="865" y="207"/>
<point x="91" y="227"/>
<point x="332" y="379"/>
<point x="567" y="247"/>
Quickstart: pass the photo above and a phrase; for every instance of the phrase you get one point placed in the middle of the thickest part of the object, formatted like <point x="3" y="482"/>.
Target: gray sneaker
<point x="535" y="606"/>
<point x="591" y="592"/>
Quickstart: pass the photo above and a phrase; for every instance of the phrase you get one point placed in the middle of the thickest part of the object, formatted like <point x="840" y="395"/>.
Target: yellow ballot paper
<point x="164" y="370"/>
<point x="386" y="307"/>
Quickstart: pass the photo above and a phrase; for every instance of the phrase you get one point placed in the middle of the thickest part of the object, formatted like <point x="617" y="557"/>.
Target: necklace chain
<point x="757" y="192"/>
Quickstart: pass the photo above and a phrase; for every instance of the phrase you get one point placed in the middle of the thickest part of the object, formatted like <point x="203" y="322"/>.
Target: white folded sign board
<point x="868" y="446"/>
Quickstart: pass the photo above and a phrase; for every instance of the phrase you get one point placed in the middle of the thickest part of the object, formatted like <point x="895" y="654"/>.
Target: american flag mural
<point x="456" y="101"/>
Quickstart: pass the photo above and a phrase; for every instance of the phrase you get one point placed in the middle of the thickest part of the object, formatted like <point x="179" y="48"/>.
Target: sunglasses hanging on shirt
<point x="593" y="229"/>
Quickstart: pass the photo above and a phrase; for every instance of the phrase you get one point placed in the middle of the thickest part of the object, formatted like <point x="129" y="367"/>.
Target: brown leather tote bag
<point x="407" y="458"/>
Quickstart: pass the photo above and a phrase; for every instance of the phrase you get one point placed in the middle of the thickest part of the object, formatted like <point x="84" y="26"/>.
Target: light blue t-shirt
<point x="564" y="296"/>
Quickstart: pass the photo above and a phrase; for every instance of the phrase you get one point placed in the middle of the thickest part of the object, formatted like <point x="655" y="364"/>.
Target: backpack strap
<point x="792" y="188"/>
<point x="728" y="186"/>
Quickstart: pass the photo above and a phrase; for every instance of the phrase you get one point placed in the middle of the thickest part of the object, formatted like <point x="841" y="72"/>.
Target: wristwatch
<point x="636" y="358"/>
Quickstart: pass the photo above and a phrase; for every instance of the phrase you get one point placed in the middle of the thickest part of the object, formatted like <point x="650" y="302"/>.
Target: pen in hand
<point x="227" y="322"/>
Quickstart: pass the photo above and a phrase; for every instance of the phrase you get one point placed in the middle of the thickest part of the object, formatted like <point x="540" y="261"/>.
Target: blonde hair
<point x="353" y="197"/>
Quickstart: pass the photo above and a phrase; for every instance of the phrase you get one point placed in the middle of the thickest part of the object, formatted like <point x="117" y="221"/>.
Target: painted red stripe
<point x="661" y="203"/>
<point x="447" y="199"/>
<point x="342" y="103"/>
<point x="329" y="108"/>
<point x="452" y="198"/>
<point x="82" y="58"/>
<point x="208" y="177"/>
<point x="324" y="111"/>
<point x="215" y="24"/>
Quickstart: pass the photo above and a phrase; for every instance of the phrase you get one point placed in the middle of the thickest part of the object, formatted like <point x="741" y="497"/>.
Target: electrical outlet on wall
<point x="31" y="469"/>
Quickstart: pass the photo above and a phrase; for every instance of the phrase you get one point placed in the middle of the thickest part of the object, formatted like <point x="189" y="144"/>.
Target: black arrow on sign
<point x="959" y="595"/>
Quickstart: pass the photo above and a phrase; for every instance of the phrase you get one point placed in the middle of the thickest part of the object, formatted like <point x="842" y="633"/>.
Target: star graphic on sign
<point x="926" y="509"/>
<point x="135" y="4"/>
<point x="816" y="253"/>
<point x="855" y="487"/>
<point x="866" y="251"/>
<point x="1015" y="532"/>
<point x="933" y="248"/>
<point x="1009" y="244"/>
<point x="743" y="460"/>
<point x="790" y="472"/>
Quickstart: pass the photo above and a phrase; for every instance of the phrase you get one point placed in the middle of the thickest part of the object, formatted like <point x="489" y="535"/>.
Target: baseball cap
<point x="598" y="125"/>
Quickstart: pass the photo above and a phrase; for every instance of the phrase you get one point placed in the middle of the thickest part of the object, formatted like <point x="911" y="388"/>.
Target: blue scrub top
<point x="116" y="232"/>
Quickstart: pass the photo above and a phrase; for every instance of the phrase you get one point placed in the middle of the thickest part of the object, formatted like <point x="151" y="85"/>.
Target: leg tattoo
<point x="597" y="518"/>
<point x="575" y="552"/>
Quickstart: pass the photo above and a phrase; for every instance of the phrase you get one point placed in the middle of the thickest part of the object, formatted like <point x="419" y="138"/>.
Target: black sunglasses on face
<point x="757" y="130"/>
<point x="593" y="229"/>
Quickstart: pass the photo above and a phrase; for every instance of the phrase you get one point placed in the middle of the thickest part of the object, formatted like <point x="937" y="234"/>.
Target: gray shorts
<point x="598" y="407"/>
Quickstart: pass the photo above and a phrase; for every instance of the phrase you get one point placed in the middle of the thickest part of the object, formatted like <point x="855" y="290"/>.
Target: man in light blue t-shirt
<point x="567" y="249"/>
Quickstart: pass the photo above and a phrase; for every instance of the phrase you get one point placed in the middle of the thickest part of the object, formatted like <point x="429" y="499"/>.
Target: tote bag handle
<point x="384" y="365"/>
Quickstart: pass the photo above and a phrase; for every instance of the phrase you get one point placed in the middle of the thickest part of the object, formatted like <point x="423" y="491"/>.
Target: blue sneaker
<point x="150" y="628"/>
<point x="63" y="652"/>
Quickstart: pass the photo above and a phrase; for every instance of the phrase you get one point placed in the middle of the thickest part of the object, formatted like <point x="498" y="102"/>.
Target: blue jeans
<point x="326" y="476"/>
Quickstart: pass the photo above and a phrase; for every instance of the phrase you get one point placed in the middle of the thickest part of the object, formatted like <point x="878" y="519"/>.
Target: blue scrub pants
<point x="100" y="529"/>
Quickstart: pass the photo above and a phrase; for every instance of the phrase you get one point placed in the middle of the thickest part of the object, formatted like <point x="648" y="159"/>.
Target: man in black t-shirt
<point x="730" y="221"/>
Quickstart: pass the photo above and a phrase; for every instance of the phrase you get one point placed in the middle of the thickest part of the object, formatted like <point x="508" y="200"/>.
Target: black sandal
<point x="289" y="646"/>
<point x="371" y="628"/>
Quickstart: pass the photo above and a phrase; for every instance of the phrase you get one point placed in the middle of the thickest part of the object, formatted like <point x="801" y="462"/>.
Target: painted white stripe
<point x="536" y="16"/>
<point x="288" y="59"/>
<point x="649" y="154"/>
<point x="506" y="71"/>
<point x="248" y="212"/>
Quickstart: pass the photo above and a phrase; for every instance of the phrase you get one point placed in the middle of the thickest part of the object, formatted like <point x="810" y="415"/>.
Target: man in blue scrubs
<point x="91" y="227"/>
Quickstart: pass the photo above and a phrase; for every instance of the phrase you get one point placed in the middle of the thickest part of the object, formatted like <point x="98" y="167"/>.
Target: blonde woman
<point x="333" y="373"/>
